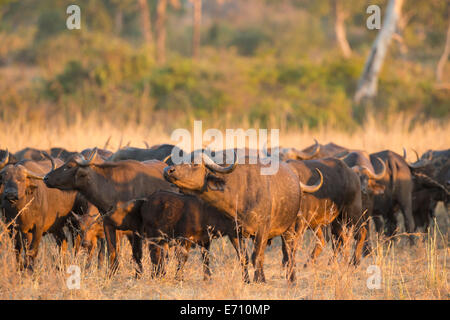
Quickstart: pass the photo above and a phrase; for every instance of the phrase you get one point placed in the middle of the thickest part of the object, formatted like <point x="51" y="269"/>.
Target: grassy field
<point x="419" y="272"/>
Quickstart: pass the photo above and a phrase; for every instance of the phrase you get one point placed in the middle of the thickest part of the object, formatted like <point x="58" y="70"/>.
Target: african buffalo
<point x="429" y="175"/>
<point x="30" y="154"/>
<point x="398" y="186"/>
<point x="157" y="152"/>
<point x="106" y="184"/>
<point x="36" y="209"/>
<point x="7" y="158"/>
<point x="101" y="153"/>
<point x="186" y="220"/>
<point x="327" y="150"/>
<point x="264" y="206"/>
<point x="92" y="234"/>
<point x="337" y="203"/>
<point x="295" y="154"/>
<point x="436" y="165"/>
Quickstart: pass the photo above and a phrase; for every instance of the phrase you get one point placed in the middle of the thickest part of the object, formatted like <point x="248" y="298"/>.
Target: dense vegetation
<point x="261" y="63"/>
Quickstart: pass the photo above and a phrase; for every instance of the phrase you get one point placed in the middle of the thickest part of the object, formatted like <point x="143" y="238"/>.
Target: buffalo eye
<point x="67" y="167"/>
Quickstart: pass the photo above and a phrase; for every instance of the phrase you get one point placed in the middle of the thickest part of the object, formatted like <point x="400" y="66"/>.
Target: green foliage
<point x="49" y="24"/>
<point x="249" y="40"/>
<point x="69" y="80"/>
<point x="268" y="63"/>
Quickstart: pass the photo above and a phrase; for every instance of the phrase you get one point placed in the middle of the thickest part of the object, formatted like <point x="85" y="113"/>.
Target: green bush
<point x="247" y="41"/>
<point x="68" y="81"/>
<point x="49" y="24"/>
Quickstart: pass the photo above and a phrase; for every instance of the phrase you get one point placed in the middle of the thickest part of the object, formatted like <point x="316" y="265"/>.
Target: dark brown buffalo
<point x="361" y="163"/>
<point x="295" y="154"/>
<point x="106" y="184"/>
<point x="430" y="174"/>
<point x="158" y="152"/>
<point x="7" y="158"/>
<point x="327" y="150"/>
<point x="265" y="206"/>
<point x="169" y="217"/>
<point x="397" y="195"/>
<point x="38" y="155"/>
<point x="36" y="209"/>
<point x="61" y="153"/>
<point x="336" y="203"/>
<point x="58" y="153"/>
<point x="436" y="165"/>
<point x="440" y="162"/>
<point x="30" y="154"/>
<point x="101" y="153"/>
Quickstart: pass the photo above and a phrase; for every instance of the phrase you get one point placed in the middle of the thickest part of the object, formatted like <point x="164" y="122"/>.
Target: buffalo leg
<point x="19" y="246"/>
<point x="101" y="252"/>
<point x="77" y="244"/>
<point x="241" y="252"/>
<point x="91" y="250"/>
<point x="320" y="243"/>
<point x="360" y="248"/>
<point x="110" y="234"/>
<point x="258" y="256"/>
<point x="300" y="228"/>
<point x="182" y="253"/>
<point x="379" y="224"/>
<point x="290" y="240"/>
<point x="285" y="252"/>
<point x="205" y="259"/>
<point x="137" y="254"/>
<point x="406" y="209"/>
<point x="33" y="249"/>
<point x="391" y="224"/>
<point x="338" y="239"/>
<point x="157" y="258"/>
<point x="61" y="242"/>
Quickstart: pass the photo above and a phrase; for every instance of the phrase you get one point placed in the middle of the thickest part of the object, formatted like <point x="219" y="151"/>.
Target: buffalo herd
<point x="95" y="197"/>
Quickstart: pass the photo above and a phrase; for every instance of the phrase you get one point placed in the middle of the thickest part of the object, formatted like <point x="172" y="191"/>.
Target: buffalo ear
<point x="214" y="183"/>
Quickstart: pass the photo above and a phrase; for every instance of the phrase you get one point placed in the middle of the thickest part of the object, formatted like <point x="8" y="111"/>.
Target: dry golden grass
<point x="419" y="272"/>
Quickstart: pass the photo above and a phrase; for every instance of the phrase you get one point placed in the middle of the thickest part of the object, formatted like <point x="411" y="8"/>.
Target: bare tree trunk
<point x="175" y="4"/>
<point x="146" y="26"/>
<point x="444" y="58"/>
<point x="339" y="28"/>
<point x="161" y="31"/>
<point x="118" y="21"/>
<point x="196" y="31"/>
<point x="368" y="83"/>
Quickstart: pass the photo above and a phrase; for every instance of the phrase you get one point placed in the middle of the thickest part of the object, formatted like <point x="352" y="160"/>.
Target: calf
<point x="185" y="219"/>
<point x="92" y="234"/>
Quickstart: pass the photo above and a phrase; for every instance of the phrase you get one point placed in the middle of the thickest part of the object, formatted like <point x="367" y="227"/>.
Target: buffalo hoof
<point x="259" y="277"/>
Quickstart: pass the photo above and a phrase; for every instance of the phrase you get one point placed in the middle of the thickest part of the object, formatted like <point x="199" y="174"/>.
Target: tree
<point x="146" y="26"/>
<point x="120" y="7"/>
<point x="196" y="30"/>
<point x="368" y="83"/>
<point x="444" y="57"/>
<point x="339" y="28"/>
<point x="160" y="29"/>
